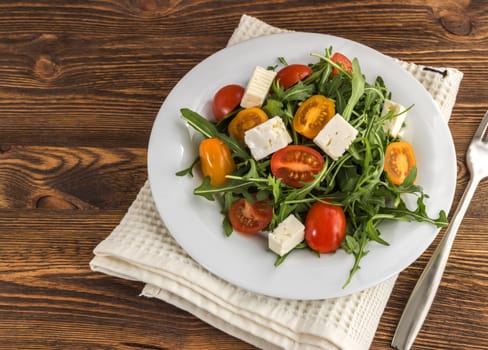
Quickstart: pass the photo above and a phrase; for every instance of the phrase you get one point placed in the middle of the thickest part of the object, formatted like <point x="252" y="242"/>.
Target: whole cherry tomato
<point x="216" y="160"/>
<point x="325" y="227"/>
<point x="226" y="100"/>
<point x="292" y="74"/>
<point x="343" y="61"/>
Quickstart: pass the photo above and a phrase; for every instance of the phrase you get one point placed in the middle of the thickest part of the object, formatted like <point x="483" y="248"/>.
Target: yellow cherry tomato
<point x="399" y="160"/>
<point x="244" y="120"/>
<point x="312" y="115"/>
<point x="216" y="160"/>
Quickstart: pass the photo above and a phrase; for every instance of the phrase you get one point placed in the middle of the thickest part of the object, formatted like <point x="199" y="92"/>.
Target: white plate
<point x="196" y="223"/>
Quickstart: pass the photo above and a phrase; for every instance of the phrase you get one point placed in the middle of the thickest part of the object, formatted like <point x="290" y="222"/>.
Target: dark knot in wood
<point x="456" y="22"/>
<point x="4" y="148"/>
<point x="47" y="68"/>
<point x="52" y="202"/>
<point x="153" y="8"/>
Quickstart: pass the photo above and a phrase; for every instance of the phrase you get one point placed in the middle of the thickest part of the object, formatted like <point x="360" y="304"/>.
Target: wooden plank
<point x="81" y="83"/>
<point x="70" y="178"/>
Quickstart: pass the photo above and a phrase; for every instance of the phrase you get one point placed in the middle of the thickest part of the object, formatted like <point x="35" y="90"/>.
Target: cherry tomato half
<point x="325" y="227"/>
<point x="216" y="160"/>
<point x="312" y="115"/>
<point x="343" y="61"/>
<point x="250" y="218"/>
<point x="399" y="160"/>
<point x="292" y="74"/>
<point x="296" y="164"/>
<point x="244" y="120"/>
<point x="226" y="100"/>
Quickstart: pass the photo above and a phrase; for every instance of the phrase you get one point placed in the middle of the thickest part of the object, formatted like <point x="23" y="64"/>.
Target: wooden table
<point x="80" y="85"/>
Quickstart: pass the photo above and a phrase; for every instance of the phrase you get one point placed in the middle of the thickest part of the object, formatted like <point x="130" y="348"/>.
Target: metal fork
<point x="423" y="294"/>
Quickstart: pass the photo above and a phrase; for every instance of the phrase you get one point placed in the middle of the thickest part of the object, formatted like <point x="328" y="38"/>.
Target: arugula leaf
<point x="208" y="191"/>
<point x="359" y="252"/>
<point x="298" y="92"/>
<point x="282" y="258"/>
<point x="227" y="226"/>
<point x="208" y="129"/>
<point x="358" y="82"/>
<point x="274" y="107"/>
<point x="189" y="170"/>
<point x="282" y="61"/>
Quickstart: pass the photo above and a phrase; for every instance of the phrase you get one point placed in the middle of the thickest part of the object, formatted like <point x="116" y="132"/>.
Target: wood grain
<point x="80" y="85"/>
<point x="49" y="177"/>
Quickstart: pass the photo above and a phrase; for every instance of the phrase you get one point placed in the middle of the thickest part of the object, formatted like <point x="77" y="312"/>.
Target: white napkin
<point x="140" y="248"/>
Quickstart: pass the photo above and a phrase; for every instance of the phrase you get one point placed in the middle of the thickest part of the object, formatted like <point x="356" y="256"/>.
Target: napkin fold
<point x="141" y="248"/>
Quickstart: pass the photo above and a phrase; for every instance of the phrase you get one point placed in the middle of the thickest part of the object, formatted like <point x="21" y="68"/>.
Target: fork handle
<point x="423" y="294"/>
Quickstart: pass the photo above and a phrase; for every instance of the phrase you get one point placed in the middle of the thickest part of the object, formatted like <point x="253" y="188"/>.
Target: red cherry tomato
<point x="292" y="74"/>
<point x="296" y="164"/>
<point x="250" y="218"/>
<point x="325" y="227"/>
<point x="343" y="61"/>
<point x="226" y="100"/>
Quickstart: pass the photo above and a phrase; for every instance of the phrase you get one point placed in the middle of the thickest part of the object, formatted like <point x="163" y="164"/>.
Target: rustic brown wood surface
<point x="80" y="85"/>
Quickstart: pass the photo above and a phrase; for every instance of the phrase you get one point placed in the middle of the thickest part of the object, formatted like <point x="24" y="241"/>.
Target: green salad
<point x="311" y="155"/>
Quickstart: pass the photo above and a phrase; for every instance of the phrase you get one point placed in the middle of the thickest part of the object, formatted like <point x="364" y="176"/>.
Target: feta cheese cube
<point x="335" y="137"/>
<point x="394" y="125"/>
<point x="257" y="88"/>
<point x="286" y="235"/>
<point x="267" y="137"/>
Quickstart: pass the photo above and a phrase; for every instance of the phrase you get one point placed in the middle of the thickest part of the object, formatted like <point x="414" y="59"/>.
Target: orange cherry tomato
<point x="292" y="74"/>
<point x="226" y="100"/>
<point x="250" y="218"/>
<point x="399" y="160"/>
<point x="312" y="115"/>
<point x="244" y="120"/>
<point x="343" y="61"/>
<point x="296" y="164"/>
<point x="216" y="160"/>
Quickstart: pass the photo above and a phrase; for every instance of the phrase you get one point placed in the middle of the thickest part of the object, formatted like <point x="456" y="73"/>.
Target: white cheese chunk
<point x="257" y="87"/>
<point x="394" y="125"/>
<point x="267" y="137"/>
<point x="286" y="235"/>
<point x="335" y="137"/>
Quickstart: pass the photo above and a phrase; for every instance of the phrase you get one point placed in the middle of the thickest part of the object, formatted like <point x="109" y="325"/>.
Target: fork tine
<point x="482" y="128"/>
